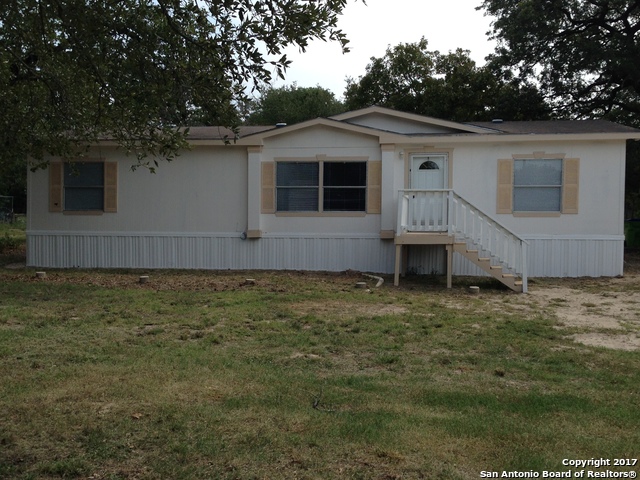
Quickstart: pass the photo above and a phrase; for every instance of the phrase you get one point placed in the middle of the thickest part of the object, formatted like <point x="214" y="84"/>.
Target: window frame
<point x="522" y="187"/>
<point x="58" y="187"/>
<point x="569" y="195"/>
<point x="82" y="192"/>
<point x="321" y="186"/>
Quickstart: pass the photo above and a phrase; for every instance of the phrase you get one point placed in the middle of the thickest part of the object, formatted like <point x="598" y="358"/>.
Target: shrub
<point x="8" y="243"/>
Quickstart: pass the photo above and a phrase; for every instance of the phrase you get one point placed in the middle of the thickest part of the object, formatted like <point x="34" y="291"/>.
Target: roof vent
<point x="497" y="120"/>
<point x="280" y="125"/>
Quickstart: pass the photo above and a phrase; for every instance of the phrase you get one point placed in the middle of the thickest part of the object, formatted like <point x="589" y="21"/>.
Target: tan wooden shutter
<point x="505" y="186"/>
<point x="570" y="175"/>
<point x="374" y="187"/>
<point x="268" y="187"/>
<point x="55" y="186"/>
<point x="111" y="187"/>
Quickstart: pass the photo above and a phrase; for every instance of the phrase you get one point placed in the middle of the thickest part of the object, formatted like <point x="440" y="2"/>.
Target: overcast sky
<point x="446" y="24"/>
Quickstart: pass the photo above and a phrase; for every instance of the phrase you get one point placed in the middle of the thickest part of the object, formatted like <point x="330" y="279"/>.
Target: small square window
<point x="537" y="185"/>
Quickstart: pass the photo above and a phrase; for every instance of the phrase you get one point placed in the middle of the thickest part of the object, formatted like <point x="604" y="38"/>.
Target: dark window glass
<point x="345" y="174"/>
<point x="297" y="174"/>
<point x="297" y="186"/>
<point x="344" y="200"/>
<point x="429" y="165"/>
<point x="84" y="186"/>
<point x="345" y="185"/>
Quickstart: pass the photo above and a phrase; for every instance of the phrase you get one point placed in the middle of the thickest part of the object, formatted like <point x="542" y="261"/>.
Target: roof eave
<point x="529" y="137"/>
<point x="426" y="120"/>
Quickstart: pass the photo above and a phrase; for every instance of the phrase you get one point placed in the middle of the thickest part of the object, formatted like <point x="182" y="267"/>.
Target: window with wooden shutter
<point x="374" y="187"/>
<point x="505" y="186"/>
<point x="571" y="172"/>
<point x="55" y="187"/>
<point x="538" y="184"/>
<point x="323" y="185"/>
<point x="83" y="187"/>
<point x="110" y="187"/>
<point x="268" y="185"/>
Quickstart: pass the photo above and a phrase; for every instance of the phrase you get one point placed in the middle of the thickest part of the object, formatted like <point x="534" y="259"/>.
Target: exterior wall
<point x="204" y="190"/>
<point x="589" y="243"/>
<point x="193" y="212"/>
<point x="601" y="186"/>
<point x="310" y="144"/>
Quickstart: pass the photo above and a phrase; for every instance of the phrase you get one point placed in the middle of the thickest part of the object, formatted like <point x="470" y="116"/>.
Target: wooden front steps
<point x="496" y="271"/>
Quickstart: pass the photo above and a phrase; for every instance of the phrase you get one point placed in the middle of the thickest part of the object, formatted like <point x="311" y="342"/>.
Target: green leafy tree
<point x="75" y="71"/>
<point x="585" y="54"/>
<point x="413" y="79"/>
<point x="293" y="104"/>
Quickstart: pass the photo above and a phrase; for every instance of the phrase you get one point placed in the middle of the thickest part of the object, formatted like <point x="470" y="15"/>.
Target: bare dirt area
<point x="604" y="319"/>
<point x="602" y="312"/>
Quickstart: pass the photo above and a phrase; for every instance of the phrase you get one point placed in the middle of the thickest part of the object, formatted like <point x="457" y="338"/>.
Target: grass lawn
<point x="205" y="375"/>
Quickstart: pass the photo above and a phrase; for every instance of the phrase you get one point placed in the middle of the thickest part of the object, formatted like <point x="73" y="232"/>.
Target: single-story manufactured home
<point x="372" y="190"/>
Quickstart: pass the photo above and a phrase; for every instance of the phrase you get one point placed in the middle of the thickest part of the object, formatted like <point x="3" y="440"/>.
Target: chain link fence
<point x="6" y="209"/>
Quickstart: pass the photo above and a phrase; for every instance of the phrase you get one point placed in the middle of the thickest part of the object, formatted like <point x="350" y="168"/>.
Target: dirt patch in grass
<point x="345" y="308"/>
<point x="580" y="309"/>
<point x="603" y="312"/>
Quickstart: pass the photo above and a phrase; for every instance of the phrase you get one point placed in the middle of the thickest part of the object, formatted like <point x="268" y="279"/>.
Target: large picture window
<point x="537" y="185"/>
<point x="324" y="186"/>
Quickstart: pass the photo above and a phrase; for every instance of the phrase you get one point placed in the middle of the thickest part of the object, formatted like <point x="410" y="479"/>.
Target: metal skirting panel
<point x="576" y="257"/>
<point x="426" y="259"/>
<point x="82" y="250"/>
<point x="547" y="257"/>
<point x="432" y="260"/>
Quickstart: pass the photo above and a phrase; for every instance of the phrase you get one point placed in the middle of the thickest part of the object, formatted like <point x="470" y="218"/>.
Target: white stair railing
<point x="423" y="210"/>
<point x="446" y="211"/>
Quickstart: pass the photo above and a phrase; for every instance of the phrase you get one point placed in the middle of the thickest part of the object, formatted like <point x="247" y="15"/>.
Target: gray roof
<point x="502" y="127"/>
<point x="220" y="133"/>
<point x="556" y="126"/>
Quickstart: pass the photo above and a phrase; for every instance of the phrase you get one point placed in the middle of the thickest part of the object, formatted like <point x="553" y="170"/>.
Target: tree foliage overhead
<point x="584" y="53"/>
<point x="413" y="79"/>
<point x="73" y="71"/>
<point x="293" y="104"/>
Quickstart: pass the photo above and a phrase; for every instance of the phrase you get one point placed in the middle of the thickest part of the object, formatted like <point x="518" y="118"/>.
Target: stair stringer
<point x="483" y="260"/>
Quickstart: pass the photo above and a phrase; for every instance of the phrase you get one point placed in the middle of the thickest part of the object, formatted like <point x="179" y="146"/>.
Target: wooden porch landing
<point x="451" y="245"/>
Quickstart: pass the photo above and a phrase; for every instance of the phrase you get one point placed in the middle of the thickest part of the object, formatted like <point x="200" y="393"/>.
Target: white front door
<point x="428" y="208"/>
<point x="429" y="172"/>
